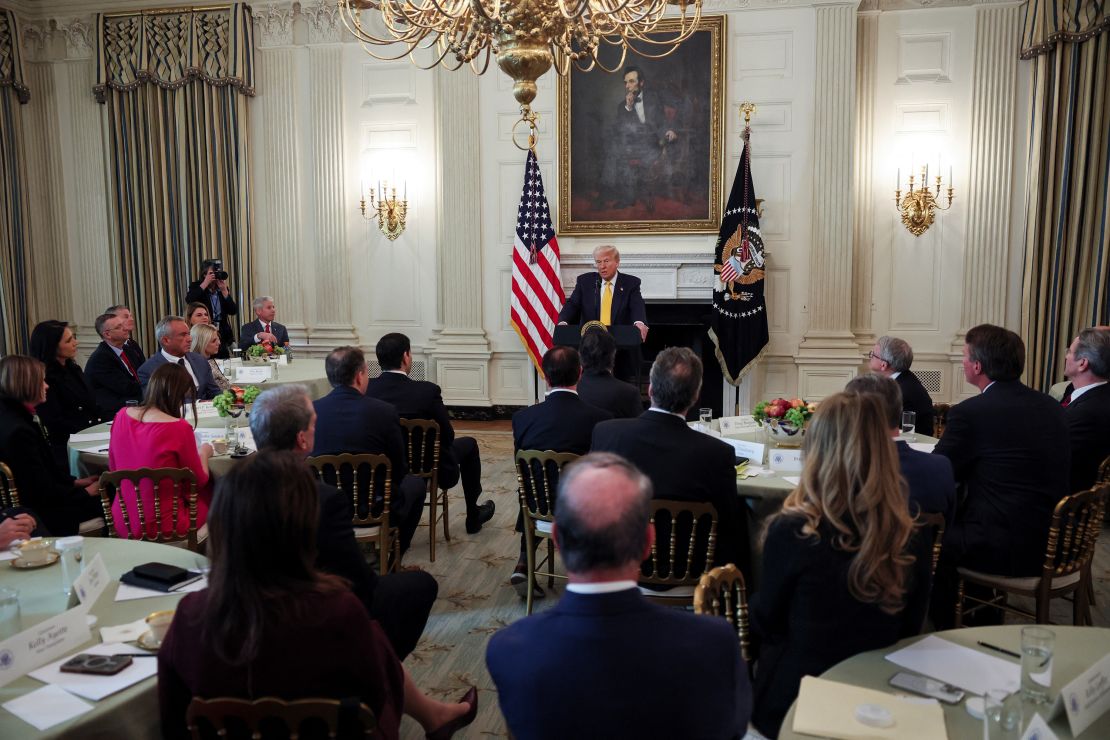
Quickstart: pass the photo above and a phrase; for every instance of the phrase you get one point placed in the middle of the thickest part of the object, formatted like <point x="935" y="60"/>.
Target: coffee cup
<point x="219" y="446"/>
<point x="35" y="552"/>
<point x="159" y="623"/>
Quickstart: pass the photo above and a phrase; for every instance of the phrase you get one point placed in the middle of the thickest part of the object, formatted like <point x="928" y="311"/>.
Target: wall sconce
<point x="919" y="206"/>
<point x="390" y="212"/>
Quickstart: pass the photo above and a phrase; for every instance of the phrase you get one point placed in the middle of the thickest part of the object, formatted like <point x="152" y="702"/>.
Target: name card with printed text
<point x="731" y="425"/>
<point x="1087" y="697"/>
<point x="751" y="450"/>
<point x="785" y="460"/>
<point x="205" y="410"/>
<point x="253" y="373"/>
<point x="46" y="641"/>
<point x="91" y="583"/>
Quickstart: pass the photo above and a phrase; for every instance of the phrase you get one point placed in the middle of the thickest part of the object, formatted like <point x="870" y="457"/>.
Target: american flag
<point x="537" y="292"/>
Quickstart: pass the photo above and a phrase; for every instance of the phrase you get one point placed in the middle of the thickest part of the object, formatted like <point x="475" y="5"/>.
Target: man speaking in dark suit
<point x="263" y="328"/>
<point x="1009" y="449"/>
<point x="610" y="297"/>
<point x="604" y="662"/>
<point x="683" y="464"/>
<point x="1087" y="404"/>
<point x="174" y="339"/>
<point x="892" y="357"/>
<point x="111" y="371"/>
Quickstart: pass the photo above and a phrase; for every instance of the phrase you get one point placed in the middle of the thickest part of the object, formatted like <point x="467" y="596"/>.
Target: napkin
<point x="51" y="705"/>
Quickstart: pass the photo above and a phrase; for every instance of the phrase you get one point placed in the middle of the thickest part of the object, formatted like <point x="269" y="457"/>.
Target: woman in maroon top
<point x="269" y="624"/>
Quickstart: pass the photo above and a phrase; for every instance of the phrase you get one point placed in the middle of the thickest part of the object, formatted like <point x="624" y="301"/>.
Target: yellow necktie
<point x="607" y="304"/>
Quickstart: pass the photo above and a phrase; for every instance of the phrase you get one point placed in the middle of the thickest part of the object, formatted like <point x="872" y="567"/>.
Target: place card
<point x="91" y="583"/>
<point x="1088" y="696"/>
<point x="253" y="373"/>
<point x="1038" y="730"/>
<point x="31" y="648"/>
<point x="279" y="360"/>
<point x="784" y="460"/>
<point x="751" y="450"/>
<point x="207" y="410"/>
<point x="739" y="425"/>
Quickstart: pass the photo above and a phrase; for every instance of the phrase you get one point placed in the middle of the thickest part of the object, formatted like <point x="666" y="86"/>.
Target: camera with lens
<point x="218" y="267"/>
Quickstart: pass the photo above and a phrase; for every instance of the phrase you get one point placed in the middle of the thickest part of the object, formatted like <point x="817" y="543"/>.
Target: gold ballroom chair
<point x="423" y="450"/>
<point x="721" y="593"/>
<point x="681" y="554"/>
<point x="273" y="717"/>
<point x="184" y="486"/>
<point x="538" y="480"/>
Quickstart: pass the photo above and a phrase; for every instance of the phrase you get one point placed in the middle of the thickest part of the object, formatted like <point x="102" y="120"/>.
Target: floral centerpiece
<point x="261" y="353"/>
<point x="230" y="405"/>
<point x="784" y="420"/>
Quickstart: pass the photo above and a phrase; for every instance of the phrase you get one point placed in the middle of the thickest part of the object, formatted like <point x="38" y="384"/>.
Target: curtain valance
<point x="1048" y="22"/>
<point x="172" y="49"/>
<point x="11" y="64"/>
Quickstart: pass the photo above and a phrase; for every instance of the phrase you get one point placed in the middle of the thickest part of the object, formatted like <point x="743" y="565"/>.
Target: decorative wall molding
<point x="273" y="24"/>
<point x="863" y="241"/>
<point x="389" y="82"/>
<point x="35" y="38"/>
<point x="324" y="24"/>
<point x="924" y="57"/>
<point x="80" y="36"/>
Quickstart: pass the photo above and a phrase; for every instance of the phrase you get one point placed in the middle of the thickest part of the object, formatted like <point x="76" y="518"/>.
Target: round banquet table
<point x="1077" y="649"/>
<point x="133" y="712"/>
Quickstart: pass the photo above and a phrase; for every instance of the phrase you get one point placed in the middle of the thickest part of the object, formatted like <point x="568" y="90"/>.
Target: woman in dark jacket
<point x="70" y="404"/>
<point x="59" y="502"/>
<point x="212" y="291"/>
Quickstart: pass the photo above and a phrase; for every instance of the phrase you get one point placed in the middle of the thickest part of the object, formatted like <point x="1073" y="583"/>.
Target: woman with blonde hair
<point x="844" y="571"/>
<point x="206" y="343"/>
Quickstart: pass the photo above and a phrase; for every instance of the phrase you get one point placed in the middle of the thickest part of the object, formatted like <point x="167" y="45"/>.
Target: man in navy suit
<point x="348" y="421"/>
<point x="284" y="418"/>
<point x="563" y="423"/>
<point x="892" y="357"/>
<point x="597" y="386"/>
<point x="134" y="351"/>
<point x="1087" y="404"/>
<point x="111" y="371"/>
<point x="173" y="337"/>
<point x="604" y="660"/>
<point x="932" y="487"/>
<point x="420" y="399"/>
<point x="263" y="328"/>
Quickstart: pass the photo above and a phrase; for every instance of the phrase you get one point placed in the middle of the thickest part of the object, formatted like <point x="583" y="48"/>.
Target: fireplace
<point x="684" y="324"/>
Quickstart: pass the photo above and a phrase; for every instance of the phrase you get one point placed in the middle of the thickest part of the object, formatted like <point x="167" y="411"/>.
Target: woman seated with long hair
<point x="844" y="571"/>
<point x="197" y="313"/>
<point x="270" y="624"/>
<point x="206" y="343"/>
<point x="60" y="503"/>
<point x="155" y="435"/>
<point x="70" y="404"/>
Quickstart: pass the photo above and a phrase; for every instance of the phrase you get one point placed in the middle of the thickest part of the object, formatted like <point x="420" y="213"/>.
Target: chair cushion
<point x="544" y="527"/>
<point x="1029" y="583"/>
<point x="678" y="592"/>
<point x="91" y="526"/>
<point x="367" y="531"/>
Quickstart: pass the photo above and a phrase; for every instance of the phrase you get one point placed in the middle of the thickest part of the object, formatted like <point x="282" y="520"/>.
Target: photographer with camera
<point x="211" y="290"/>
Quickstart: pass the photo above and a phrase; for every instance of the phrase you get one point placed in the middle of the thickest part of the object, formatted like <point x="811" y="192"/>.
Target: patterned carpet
<point x="475" y="598"/>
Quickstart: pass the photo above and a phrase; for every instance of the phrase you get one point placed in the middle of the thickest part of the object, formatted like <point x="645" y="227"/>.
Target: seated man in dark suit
<point x="682" y="464"/>
<point x="1009" y="450"/>
<point x="563" y="423"/>
<point x="932" y="488"/>
<point x="283" y="418"/>
<point x="350" y="421"/>
<point x="419" y="399"/>
<point x="892" y="357"/>
<point x="131" y="346"/>
<point x="113" y="376"/>
<point x="604" y="662"/>
<point x="263" y="328"/>
<point x="1087" y="405"/>
<point x="174" y="339"/>
<point x="598" y="387"/>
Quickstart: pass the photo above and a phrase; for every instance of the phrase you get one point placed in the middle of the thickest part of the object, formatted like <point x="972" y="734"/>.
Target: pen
<point x="1004" y="651"/>
<point x="135" y="655"/>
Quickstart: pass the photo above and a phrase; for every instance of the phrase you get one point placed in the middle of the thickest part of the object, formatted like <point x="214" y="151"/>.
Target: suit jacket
<point x="1009" y="448"/>
<point x="247" y="332"/>
<point x="563" y="423"/>
<point x="932" y="485"/>
<point x="619" y="398"/>
<point x="598" y="666"/>
<point x="1088" y="419"/>
<point x="683" y="465"/>
<point x="347" y="421"/>
<point x="134" y="352"/>
<point x="207" y="389"/>
<point x="915" y="398"/>
<point x="112" y="383"/>
<point x="70" y="406"/>
<point x="419" y="399"/>
<point x="584" y="303"/>
<point x="228" y="308"/>
<point x="337" y="552"/>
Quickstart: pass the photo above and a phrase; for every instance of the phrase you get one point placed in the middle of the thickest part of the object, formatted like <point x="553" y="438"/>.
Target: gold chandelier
<point x="528" y="37"/>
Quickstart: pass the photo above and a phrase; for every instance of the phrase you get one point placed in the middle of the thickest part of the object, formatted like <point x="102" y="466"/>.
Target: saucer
<point x="22" y="564"/>
<point x="146" y="642"/>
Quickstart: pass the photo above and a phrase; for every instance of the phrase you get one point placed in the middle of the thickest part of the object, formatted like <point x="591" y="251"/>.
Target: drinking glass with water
<point x="909" y="423"/>
<point x="1037" y="648"/>
<point x="1002" y="718"/>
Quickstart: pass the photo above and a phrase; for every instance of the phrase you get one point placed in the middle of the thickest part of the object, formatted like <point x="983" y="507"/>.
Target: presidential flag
<point x="537" y="295"/>
<point x="738" y="323"/>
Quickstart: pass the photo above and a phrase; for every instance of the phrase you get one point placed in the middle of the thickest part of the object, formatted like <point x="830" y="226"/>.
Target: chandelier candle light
<point x="920" y="204"/>
<point x="391" y="212"/>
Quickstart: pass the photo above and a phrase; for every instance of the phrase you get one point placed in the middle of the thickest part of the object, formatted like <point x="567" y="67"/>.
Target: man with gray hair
<point x="111" y="370"/>
<point x="134" y="351"/>
<point x="1086" y="404"/>
<point x="683" y="464"/>
<point x="603" y="631"/>
<point x="174" y="339"/>
<point x="263" y="328"/>
<point x="284" y="418"/>
<point x="892" y="357"/>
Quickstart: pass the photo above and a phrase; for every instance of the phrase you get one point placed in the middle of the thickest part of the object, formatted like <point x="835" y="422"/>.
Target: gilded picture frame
<point x="654" y="167"/>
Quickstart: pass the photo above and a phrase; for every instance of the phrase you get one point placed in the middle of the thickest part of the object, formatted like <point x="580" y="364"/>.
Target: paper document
<point x="91" y="437"/>
<point x="971" y="670"/>
<point x="124" y="632"/>
<point x="46" y="707"/>
<point x="97" y="687"/>
<point x="828" y="709"/>
<point x="922" y="446"/>
<point x="792" y="479"/>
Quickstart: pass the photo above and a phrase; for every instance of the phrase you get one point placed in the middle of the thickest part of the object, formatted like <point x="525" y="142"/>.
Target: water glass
<point x="72" y="551"/>
<point x="10" y="621"/>
<point x="1038" y="645"/>
<point x="1001" y="715"/>
<point x="909" y="423"/>
<point x="705" y="416"/>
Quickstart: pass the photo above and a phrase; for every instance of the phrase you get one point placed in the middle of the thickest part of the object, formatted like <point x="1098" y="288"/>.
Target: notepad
<point x="97" y="687"/>
<point x="46" y="707"/>
<point x="828" y="709"/>
<point x="971" y="670"/>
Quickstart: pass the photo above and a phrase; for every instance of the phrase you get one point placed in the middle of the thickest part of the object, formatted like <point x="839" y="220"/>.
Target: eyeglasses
<point x="872" y="356"/>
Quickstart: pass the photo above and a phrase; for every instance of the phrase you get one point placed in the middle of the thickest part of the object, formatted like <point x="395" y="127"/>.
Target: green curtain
<point x="1067" y="235"/>
<point x="175" y="86"/>
<point x="15" y="222"/>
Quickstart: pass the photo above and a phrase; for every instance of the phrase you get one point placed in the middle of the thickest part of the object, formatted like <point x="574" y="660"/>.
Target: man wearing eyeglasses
<point x="892" y="357"/>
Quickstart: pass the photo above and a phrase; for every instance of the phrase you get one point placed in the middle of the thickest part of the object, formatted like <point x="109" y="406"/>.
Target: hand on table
<point x="14" y="528"/>
<point x="206" y="451"/>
